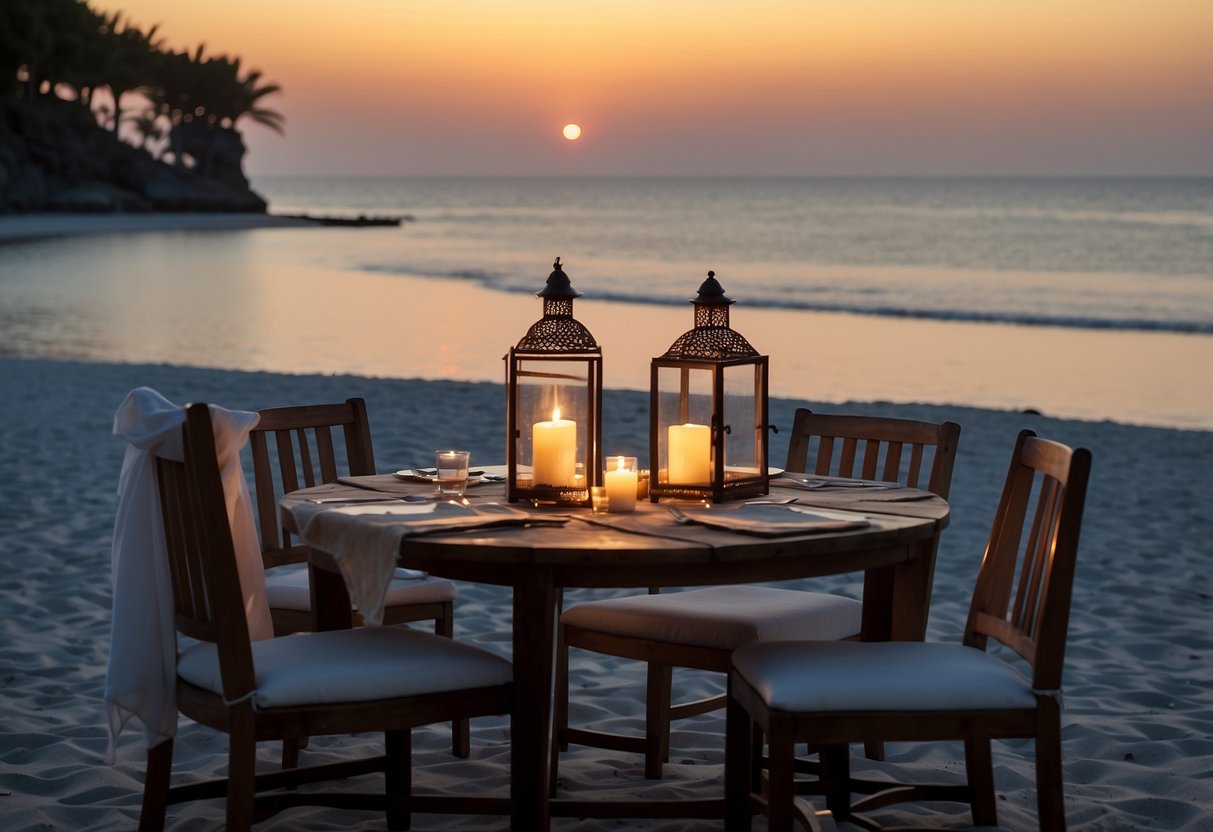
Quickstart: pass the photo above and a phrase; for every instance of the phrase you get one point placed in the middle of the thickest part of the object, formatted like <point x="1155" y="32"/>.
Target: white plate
<point x="417" y="476"/>
<point x="487" y="473"/>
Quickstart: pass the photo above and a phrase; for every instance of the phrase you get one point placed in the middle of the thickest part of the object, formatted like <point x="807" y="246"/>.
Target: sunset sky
<point x="709" y="87"/>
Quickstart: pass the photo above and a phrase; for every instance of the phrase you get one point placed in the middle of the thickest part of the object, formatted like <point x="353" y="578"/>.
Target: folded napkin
<point x="385" y="483"/>
<point x="770" y="520"/>
<point x="365" y="539"/>
<point x="141" y="675"/>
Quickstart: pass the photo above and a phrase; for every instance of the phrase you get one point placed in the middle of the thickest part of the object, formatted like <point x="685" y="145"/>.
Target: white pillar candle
<point x="690" y="454"/>
<point x="555" y="451"/>
<point x="621" y="486"/>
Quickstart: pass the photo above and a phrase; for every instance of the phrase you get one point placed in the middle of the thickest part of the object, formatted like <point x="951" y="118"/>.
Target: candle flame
<point x="619" y="463"/>
<point x="555" y="414"/>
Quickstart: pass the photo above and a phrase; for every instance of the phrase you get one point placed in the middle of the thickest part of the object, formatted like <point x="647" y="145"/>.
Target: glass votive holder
<point x="621" y="479"/>
<point x="451" y="472"/>
<point x="598" y="499"/>
<point x="642" y="484"/>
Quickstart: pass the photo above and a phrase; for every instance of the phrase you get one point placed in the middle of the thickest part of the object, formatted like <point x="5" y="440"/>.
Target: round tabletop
<point x="647" y="547"/>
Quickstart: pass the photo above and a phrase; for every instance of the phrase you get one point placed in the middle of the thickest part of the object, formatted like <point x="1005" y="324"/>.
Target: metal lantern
<point x="554" y="412"/>
<point x="708" y="410"/>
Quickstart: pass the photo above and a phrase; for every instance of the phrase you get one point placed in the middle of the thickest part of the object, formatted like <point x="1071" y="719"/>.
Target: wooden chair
<point x="293" y="447"/>
<point x="386" y="679"/>
<point x="916" y="454"/>
<point x="701" y="628"/>
<point x="831" y="694"/>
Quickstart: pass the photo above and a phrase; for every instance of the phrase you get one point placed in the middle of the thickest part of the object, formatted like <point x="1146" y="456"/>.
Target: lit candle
<point x="555" y="449"/>
<point x="690" y="454"/>
<point x="621" y="486"/>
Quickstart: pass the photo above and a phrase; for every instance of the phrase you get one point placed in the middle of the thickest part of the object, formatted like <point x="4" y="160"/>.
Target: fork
<point x="678" y="516"/>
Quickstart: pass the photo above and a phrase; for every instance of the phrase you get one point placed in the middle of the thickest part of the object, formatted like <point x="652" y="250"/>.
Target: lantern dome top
<point x="712" y="339"/>
<point x="558" y="331"/>
<point x="558" y="285"/>
<point x="711" y="293"/>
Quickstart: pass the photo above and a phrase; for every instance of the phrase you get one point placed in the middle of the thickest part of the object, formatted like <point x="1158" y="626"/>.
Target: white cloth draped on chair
<point x="141" y="675"/>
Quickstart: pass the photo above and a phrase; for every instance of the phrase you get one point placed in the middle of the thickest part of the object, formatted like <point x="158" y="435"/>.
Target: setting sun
<point x="572" y="132"/>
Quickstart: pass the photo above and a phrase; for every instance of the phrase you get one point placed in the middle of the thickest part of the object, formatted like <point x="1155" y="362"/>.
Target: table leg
<point x="330" y="600"/>
<point x="531" y="722"/>
<point x="911" y="596"/>
<point x="897" y="598"/>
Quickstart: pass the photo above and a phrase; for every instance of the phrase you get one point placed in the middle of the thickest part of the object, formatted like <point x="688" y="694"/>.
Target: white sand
<point x="1138" y="721"/>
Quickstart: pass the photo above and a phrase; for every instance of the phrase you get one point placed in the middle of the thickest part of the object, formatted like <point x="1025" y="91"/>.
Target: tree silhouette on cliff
<point x="66" y="50"/>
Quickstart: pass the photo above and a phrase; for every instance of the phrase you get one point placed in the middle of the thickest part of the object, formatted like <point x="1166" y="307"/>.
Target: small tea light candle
<point x="621" y="481"/>
<point x="690" y="454"/>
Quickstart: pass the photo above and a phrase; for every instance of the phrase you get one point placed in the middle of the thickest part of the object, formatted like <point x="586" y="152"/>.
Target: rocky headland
<point x="55" y="157"/>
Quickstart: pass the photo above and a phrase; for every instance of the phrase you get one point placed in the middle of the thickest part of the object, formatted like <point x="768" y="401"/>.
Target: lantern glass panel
<point x="555" y="406"/>
<point x="743" y="456"/>
<point x="685" y="407"/>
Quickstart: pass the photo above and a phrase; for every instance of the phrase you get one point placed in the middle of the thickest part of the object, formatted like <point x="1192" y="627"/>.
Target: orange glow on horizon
<point x="880" y="69"/>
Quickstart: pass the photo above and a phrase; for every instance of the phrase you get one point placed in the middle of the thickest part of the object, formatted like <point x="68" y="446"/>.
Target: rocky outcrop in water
<point x="54" y="157"/>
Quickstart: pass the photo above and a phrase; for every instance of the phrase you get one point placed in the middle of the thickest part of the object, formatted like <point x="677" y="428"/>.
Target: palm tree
<point x="148" y="125"/>
<point x="204" y="97"/>
<point x="244" y="100"/>
<point x="44" y="43"/>
<point x="126" y="60"/>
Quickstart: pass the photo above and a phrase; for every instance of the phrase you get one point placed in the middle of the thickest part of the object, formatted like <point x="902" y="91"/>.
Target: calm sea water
<point x="1089" y="298"/>
<point x="1118" y="253"/>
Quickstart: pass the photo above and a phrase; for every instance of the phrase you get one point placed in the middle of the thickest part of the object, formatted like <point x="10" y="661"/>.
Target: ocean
<point x="1087" y="253"/>
<point x="1088" y="298"/>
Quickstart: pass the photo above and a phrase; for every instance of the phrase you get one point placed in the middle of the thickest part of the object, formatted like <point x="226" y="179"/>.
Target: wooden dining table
<point x="568" y="547"/>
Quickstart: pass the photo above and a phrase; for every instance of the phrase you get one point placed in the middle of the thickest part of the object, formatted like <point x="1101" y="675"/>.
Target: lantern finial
<point x="558" y="287"/>
<point x="711" y="293"/>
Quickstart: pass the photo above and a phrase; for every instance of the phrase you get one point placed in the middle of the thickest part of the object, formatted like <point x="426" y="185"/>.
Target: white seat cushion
<point x="880" y="676"/>
<point x="355" y="665"/>
<point x="286" y="588"/>
<point x="721" y="617"/>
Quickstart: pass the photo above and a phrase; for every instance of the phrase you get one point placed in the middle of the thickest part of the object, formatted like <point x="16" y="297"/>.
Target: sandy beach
<point x="1138" y="719"/>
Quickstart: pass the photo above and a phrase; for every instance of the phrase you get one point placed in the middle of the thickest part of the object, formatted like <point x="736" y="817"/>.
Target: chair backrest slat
<point x="1049" y="480"/>
<point x="892" y="462"/>
<point x="202" y="557"/>
<point x="304" y="455"/>
<point x="189" y="597"/>
<point x="815" y="436"/>
<point x="914" y="472"/>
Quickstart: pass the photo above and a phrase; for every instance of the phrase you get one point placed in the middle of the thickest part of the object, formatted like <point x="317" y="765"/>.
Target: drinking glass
<point x="598" y="499"/>
<point x="452" y="472"/>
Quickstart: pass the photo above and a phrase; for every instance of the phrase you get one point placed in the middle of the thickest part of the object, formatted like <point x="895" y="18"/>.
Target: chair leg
<point x="1050" y="797"/>
<point x="979" y="768"/>
<point x="657" y="719"/>
<point x="835" y="762"/>
<point x="241" y="769"/>
<point x="781" y="790"/>
<point x="461" y="743"/>
<point x="290" y="752"/>
<point x="155" y="787"/>
<point x="756" y="747"/>
<point x="398" y="775"/>
<point x="738" y="742"/>
<point x="560" y="710"/>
